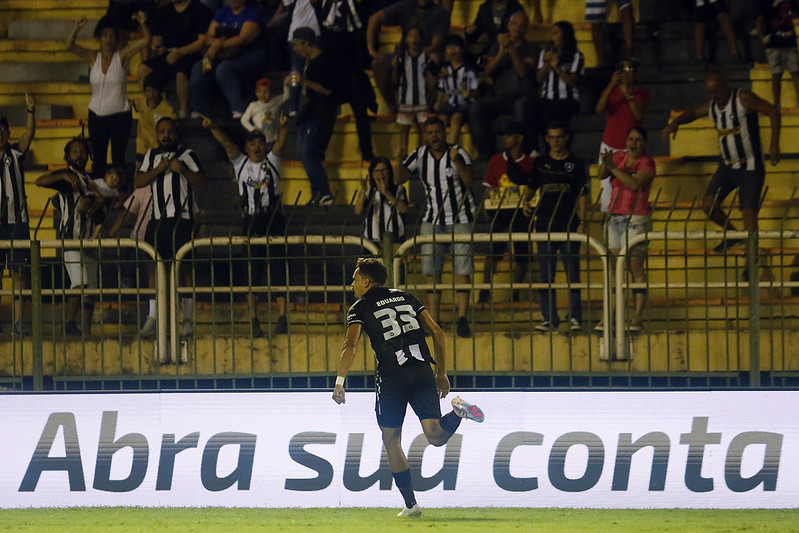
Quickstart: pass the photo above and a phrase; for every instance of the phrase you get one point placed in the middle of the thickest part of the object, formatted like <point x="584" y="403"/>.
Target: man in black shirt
<point x="395" y="322"/>
<point x="181" y="24"/>
<point x="317" y="113"/>
<point x="562" y="180"/>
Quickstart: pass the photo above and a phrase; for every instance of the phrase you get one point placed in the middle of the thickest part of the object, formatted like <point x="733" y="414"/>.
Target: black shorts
<point x="415" y="385"/>
<point x="748" y="182"/>
<point x="15" y="258"/>
<point x="166" y="72"/>
<point x="708" y="12"/>
<point x="450" y="110"/>
<point x="167" y="235"/>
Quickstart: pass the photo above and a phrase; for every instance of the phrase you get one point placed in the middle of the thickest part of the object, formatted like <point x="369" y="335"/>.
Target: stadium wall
<point x="731" y="449"/>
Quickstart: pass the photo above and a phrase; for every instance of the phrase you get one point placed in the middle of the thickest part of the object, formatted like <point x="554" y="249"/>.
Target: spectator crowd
<point x="268" y="67"/>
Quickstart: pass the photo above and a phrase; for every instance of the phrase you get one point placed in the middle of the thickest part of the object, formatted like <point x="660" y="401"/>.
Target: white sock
<point x="188" y="309"/>
<point x="151" y="311"/>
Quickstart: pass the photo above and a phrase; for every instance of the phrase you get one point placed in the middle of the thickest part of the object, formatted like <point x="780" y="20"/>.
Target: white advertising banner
<point x="267" y="449"/>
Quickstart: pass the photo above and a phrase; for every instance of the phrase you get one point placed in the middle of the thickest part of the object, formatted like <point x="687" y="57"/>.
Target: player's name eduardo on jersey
<point x="392" y="320"/>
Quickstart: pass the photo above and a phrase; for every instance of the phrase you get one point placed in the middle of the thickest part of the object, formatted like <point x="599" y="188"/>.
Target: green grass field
<point x="115" y="519"/>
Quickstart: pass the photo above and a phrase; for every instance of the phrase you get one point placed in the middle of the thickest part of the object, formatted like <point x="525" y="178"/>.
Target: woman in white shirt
<point x="109" y="111"/>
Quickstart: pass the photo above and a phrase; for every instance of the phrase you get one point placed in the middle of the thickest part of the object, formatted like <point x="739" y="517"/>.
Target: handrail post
<point x="753" y="259"/>
<point x="388" y="253"/>
<point x="36" y="311"/>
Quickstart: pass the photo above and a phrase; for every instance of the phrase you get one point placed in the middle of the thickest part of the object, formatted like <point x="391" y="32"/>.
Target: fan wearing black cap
<point x="257" y="172"/>
<point x="14" y="207"/>
<point x="506" y="174"/>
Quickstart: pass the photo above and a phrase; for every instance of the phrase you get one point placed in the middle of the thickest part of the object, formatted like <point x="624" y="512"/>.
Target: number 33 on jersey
<point x="391" y="319"/>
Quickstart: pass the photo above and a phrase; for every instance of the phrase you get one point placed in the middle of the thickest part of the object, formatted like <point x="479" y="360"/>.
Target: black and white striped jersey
<point x="449" y="200"/>
<point x="381" y="216"/>
<point x="553" y="87"/>
<point x="454" y="81"/>
<point x="259" y="183"/>
<point x="172" y="192"/>
<point x="412" y="79"/>
<point x="739" y="133"/>
<point x="73" y="224"/>
<point x="13" y="200"/>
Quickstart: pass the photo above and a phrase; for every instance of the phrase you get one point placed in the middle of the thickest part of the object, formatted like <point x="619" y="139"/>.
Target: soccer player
<point x="395" y="322"/>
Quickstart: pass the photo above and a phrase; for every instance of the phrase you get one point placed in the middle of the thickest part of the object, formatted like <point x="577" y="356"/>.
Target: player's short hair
<point x="373" y="269"/>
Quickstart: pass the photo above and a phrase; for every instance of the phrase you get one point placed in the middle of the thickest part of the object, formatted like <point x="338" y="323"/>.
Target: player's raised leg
<point x="439" y="430"/>
<point x="467" y="410"/>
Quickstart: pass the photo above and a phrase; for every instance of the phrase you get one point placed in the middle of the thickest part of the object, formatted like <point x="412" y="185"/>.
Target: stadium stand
<point x="698" y="322"/>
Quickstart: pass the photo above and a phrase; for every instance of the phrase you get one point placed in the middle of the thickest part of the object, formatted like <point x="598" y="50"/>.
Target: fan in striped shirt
<point x="14" y="205"/>
<point x="413" y="77"/>
<point x="446" y="172"/>
<point x="383" y="202"/>
<point x="73" y="186"/>
<point x="735" y="115"/>
<point x="457" y="87"/>
<point x="172" y="171"/>
<point x="560" y="67"/>
<point x="257" y="174"/>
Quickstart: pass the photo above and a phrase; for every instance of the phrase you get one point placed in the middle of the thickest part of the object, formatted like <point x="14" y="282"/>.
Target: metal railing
<point x="594" y="245"/>
<point x="505" y="344"/>
<point x="752" y="283"/>
<point x="36" y="293"/>
<point x="227" y="243"/>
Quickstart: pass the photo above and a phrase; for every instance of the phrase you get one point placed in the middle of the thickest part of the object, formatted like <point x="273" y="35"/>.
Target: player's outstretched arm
<point x="345" y="362"/>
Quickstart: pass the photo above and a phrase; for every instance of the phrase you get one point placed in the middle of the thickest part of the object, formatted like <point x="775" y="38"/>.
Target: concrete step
<point x="761" y="86"/>
<point x="61" y="93"/>
<point x="29" y="29"/>
<point x="65" y="10"/>
<point x="68" y="71"/>
<point x="40" y="50"/>
<point x="17" y="115"/>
